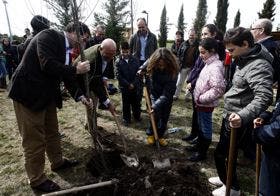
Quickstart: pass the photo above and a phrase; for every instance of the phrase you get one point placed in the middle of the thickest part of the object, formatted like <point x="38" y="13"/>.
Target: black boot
<point x="192" y="148"/>
<point x="3" y="83"/>
<point x="202" y="150"/>
<point x="188" y="137"/>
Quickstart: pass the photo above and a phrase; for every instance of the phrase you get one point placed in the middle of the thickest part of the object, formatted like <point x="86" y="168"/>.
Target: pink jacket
<point x="210" y="85"/>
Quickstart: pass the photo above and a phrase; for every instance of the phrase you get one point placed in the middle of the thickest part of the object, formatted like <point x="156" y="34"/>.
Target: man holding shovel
<point x="36" y="95"/>
<point x="250" y="94"/>
<point x="100" y="57"/>
<point x="267" y="133"/>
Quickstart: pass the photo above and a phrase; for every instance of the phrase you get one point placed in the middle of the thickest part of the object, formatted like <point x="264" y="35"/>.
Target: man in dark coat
<point x="179" y="39"/>
<point x="267" y="133"/>
<point x="38" y="24"/>
<point x="98" y="37"/>
<point x="261" y="31"/>
<point x="143" y="43"/>
<point x="36" y="94"/>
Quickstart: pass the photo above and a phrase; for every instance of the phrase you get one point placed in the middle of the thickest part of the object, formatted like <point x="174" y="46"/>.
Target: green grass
<point x="77" y="144"/>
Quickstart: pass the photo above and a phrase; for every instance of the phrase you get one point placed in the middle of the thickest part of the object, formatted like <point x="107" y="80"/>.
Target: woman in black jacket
<point x="162" y="70"/>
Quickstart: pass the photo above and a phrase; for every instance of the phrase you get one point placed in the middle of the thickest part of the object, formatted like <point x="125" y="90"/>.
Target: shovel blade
<point x="130" y="161"/>
<point x="161" y="164"/>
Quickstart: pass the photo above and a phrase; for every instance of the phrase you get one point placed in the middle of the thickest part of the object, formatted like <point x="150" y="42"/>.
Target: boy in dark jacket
<point x="127" y="67"/>
<point x="267" y="133"/>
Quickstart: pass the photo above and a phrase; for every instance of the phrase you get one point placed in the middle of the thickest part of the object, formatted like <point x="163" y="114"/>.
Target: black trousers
<point x="131" y="100"/>
<point x="195" y="127"/>
<point x="243" y="139"/>
<point x="161" y="120"/>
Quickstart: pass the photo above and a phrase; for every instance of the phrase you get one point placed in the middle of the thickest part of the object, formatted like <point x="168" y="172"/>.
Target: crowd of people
<point x="240" y="66"/>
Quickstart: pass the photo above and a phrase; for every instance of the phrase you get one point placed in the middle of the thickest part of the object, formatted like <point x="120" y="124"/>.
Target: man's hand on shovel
<point x="234" y="120"/>
<point x="87" y="102"/>
<point x="258" y="122"/>
<point x="112" y="108"/>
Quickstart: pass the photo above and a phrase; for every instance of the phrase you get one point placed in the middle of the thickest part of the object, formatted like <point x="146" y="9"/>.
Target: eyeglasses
<point x="256" y="28"/>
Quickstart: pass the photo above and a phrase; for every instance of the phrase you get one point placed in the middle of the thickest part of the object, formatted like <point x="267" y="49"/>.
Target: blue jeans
<point x="205" y="124"/>
<point x="3" y="71"/>
<point x="270" y="175"/>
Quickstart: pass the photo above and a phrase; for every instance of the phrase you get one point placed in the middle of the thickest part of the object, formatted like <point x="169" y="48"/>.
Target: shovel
<point x="159" y="162"/>
<point x="231" y="157"/>
<point x="258" y="166"/>
<point x="132" y="159"/>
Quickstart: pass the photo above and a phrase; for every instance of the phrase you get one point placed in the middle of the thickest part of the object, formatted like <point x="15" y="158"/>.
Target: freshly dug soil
<point x="180" y="179"/>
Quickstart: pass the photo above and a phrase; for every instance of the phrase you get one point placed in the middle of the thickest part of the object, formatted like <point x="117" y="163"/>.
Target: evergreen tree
<point x="237" y="19"/>
<point x="268" y="10"/>
<point x="181" y="24"/>
<point x="62" y="10"/>
<point x="222" y="13"/>
<point x="200" y="19"/>
<point x="162" y="37"/>
<point x="115" y="19"/>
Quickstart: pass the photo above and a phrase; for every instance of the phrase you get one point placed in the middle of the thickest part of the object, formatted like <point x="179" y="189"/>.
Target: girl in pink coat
<point x="210" y="86"/>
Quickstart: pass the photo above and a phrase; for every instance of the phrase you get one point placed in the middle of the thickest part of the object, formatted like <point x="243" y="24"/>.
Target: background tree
<point x="237" y="19"/>
<point x="200" y="19"/>
<point x="63" y="12"/>
<point x="268" y="10"/>
<point x="115" y="20"/>
<point x="162" y="37"/>
<point x="181" y="18"/>
<point x="222" y="13"/>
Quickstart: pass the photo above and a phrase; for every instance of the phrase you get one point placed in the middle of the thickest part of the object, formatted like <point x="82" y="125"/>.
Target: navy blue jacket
<point x="163" y="87"/>
<point x="269" y="134"/>
<point x="126" y="72"/>
<point x="271" y="46"/>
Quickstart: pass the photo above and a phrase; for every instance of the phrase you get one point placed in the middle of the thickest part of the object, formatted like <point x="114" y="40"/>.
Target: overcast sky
<point x="21" y="11"/>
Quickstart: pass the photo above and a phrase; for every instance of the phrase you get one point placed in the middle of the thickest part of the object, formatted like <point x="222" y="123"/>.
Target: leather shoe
<point x="66" y="164"/>
<point x="47" y="186"/>
<point x="197" y="156"/>
<point x="192" y="148"/>
<point x="188" y="137"/>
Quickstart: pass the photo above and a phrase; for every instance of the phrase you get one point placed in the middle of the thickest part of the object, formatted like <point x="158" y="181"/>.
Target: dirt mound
<point x="180" y="179"/>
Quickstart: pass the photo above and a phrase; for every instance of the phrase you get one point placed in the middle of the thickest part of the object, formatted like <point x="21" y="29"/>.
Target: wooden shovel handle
<point x="148" y="101"/>
<point x="230" y="160"/>
<point x="258" y="166"/>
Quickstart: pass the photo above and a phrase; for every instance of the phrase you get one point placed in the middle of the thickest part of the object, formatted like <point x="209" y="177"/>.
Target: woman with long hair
<point x="162" y="71"/>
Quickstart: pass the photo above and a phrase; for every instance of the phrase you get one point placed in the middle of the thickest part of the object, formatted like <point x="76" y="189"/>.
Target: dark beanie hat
<point x="39" y="23"/>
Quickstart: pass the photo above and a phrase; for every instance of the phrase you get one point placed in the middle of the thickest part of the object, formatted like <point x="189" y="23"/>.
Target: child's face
<point x="125" y="53"/>
<point x="204" y="54"/>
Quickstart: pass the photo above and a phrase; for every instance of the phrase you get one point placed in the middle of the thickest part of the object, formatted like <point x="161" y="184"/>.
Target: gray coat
<point x="251" y="92"/>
